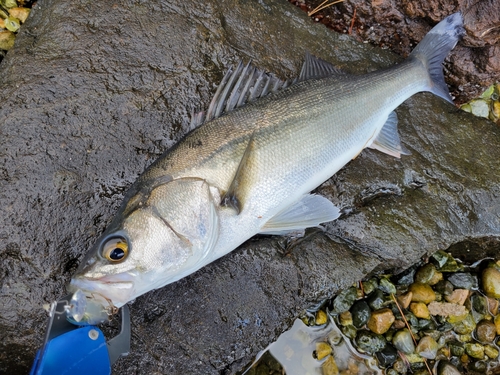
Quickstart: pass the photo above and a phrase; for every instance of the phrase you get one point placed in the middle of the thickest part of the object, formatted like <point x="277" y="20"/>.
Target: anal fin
<point x="387" y="141"/>
<point x="310" y="211"/>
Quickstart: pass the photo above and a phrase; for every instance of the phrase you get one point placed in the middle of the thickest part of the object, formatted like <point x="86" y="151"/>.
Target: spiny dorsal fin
<point x="239" y="87"/>
<point x="247" y="83"/>
<point x="314" y="67"/>
<point x="388" y="140"/>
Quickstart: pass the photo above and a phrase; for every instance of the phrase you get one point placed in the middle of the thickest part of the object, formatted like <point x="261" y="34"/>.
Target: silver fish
<point x="248" y="169"/>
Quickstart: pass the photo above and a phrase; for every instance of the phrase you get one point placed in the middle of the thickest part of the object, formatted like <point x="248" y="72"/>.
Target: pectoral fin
<point x="310" y="211"/>
<point x="233" y="196"/>
<point x="388" y="140"/>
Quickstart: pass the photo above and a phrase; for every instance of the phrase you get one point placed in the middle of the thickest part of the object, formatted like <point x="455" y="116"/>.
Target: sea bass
<point x="249" y="169"/>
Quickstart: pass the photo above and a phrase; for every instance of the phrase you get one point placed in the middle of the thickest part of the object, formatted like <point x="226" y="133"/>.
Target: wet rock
<point x="463" y="280"/>
<point x="420" y="310"/>
<point x="457" y="350"/>
<point x="376" y="300"/>
<point x="405" y="299"/>
<point x="321" y="318"/>
<point x="479" y="304"/>
<point x="426" y="273"/>
<point x="386" y="286"/>
<point x="422" y="293"/>
<point x="465" y="326"/>
<point x="446" y="309"/>
<point x="447" y="262"/>
<point x="444" y="287"/>
<point x="474" y="350"/>
<point x="380" y="321"/>
<point x="446" y="368"/>
<point x="369" y="342"/>
<point x="427" y="347"/>
<point x="403" y="341"/>
<point x="405" y="277"/>
<point x="329" y="367"/>
<point x="491" y="282"/>
<point x="496" y="320"/>
<point x="486" y="331"/>
<point x="491" y="351"/>
<point x="370" y="285"/>
<point x="323" y="349"/>
<point x="350" y="331"/>
<point x="361" y="312"/>
<point x="104" y="105"/>
<point x="387" y="356"/>
<point x="344" y="300"/>
<point x="345" y="318"/>
<point x="458" y="296"/>
<point x="492" y="306"/>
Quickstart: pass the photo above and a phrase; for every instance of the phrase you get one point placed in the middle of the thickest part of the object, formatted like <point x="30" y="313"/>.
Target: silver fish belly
<point x="250" y="170"/>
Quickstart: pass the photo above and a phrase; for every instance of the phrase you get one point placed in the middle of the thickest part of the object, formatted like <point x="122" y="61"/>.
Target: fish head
<point x="158" y="237"/>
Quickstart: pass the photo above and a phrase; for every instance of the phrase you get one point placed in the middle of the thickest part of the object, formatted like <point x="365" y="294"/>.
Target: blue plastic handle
<point x="81" y="351"/>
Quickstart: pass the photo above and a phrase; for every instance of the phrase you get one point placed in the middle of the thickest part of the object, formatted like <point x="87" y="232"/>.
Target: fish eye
<point x="115" y="249"/>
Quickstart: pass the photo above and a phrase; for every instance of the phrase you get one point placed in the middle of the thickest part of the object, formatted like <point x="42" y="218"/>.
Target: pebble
<point x="350" y="331"/>
<point x="444" y="287"/>
<point x="386" y="286"/>
<point x="496" y="321"/>
<point x="329" y="367"/>
<point x="346" y="318"/>
<point x="446" y="368"/>
<point x="491" y="352"/>
<point x="492" y="306"/>
<point x="463" y="280"/>
<point x="422" y="293"/>
<point x="465" y="326"/>
<point x="321" y="318"/>
<point x="387" y="356"/>
<point x="457" y="350"/>
<point x="486" y="331"/>
<point x="458" y="296"/>
<point x="323" y="349"/>
<point x="370" y="342"/>
<point x="446" y="309"/>
<point x="370" y="285"/>
<point x="403" y="341"/>
<point x="491" y="282"/>
<point x="376" y="300"/>
<point x="360" y="312"/>
<point x="405" y="299"/>
<point x="425" y="273"/>
<point x="427" y="347"/>
<point x="474" y="350"/>
<point x="344" y="300"/>
<point x="380" y="321"/>
<point x="420" y="310"/>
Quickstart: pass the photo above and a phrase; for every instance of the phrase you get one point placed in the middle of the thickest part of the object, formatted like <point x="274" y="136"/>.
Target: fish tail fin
<point x="434" y="48"/>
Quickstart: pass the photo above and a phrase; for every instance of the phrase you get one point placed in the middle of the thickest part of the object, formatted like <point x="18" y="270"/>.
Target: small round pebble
<point x="403" y="341"/>
<point x="491" y="282"/>
<point x="486" y="331"/>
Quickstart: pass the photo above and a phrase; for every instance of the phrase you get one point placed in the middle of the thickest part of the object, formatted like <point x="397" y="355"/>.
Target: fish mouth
<point x="117" y="289"/>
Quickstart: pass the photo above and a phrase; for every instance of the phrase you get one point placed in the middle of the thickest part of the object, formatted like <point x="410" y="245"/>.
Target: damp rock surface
<point x="91" y="98"/>
<point x="399" y="25"/>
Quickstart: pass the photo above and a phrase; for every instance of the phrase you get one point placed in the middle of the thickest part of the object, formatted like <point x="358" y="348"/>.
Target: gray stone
<point x="91" y="94"/>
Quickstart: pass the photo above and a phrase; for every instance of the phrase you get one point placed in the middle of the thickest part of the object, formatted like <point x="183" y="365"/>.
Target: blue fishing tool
<point x="74" y="349"/>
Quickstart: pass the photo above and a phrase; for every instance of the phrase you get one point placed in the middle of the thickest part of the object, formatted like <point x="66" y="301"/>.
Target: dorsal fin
<point x="239" y="87"/>
<point x="314" y="67"/>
